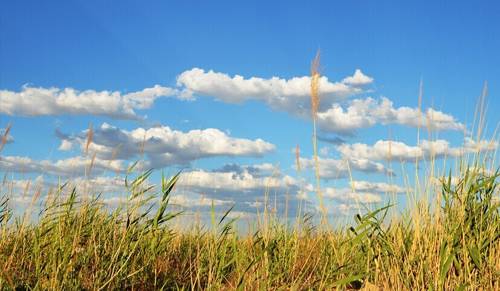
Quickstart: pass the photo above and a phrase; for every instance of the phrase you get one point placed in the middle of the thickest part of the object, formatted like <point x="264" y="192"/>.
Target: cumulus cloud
<point x="360" y="193"/>
<point x="379" y="187"/>
<point x="165" y="146"/>
<point x="346" y="195"/>
<point x="241" y="179"/>
<point x="65" y="145"/>
<point x="99" y="184"/>
<point x="293" y="96"/>
<point x="457" y="177"/>
<point x="258" y="170"/>
<point x="338" y="169"/>
<point x="363" y="113"/>
<point x="358" y="79"/>
<point x="22" y="189"/>
<point x="246" y="186"/>
<point x="112" y="187"/>
<point x="31" y="101"/>
<point x="26" y="190"/>
<point x="290" y="95"/>
<point x="75" y="166"/>
<point x="178" y="200"/>
<point x="395" y="150"/>
<point x="197" y="201"/>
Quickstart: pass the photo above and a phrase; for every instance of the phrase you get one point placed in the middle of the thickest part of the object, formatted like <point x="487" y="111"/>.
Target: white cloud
<point x="455" y="179"/>
<point x="379" y="187"/>
<point x="293" y="96"/>
<point x="75" y="166"/>
<point x="472" y="146"/>
<point x="165" y="146"/>
<point x="360" y="193"/>
<point x="25" y="190"/>
<point x="32" y="101"/>
<point x="346" y="195"/>
<point x="386" y="149"/>
<point x="346" y="208"/>
<point x="290" y="95"/>
<point x="363" y="113"/>
<point x="246" y="186"/>
<point x="65" y="145"/>
<point x="358" y="79"/>
<point x="242" y="215"/>
<point x="187" y="201"/>
<point x="190" y="201"/>
<point x="381" y="150"/>
<point x="18" y="188"/>
<point x="338" y="169"/>
<point x="99" y="184"/>
<point x="237" y="181"/>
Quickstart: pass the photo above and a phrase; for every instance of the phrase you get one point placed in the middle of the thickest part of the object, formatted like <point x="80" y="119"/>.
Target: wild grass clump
<point x="78" y="243"/>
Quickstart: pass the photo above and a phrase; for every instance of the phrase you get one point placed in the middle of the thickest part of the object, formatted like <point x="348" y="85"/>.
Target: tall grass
<point x="80" y="244"/>
<point x="315" y="101"/>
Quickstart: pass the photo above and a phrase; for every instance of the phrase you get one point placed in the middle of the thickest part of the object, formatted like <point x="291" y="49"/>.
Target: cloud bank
<point x="32" y="101"/>
<point x="76" y="166"/>
<point x="364" y="113"/>
<point x="164" y="146"/>
<point x="290" y="95"/>
<point x="338" y="169"/>
<point x="395" y="150"/>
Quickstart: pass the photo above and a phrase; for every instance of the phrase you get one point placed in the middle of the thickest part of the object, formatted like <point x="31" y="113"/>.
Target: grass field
<point x="78" y="243"/>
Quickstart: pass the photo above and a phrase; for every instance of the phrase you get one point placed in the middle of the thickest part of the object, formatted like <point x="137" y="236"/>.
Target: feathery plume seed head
<point x="90" y="136"/>
<point x="315" y="77"/>
<point x="91" y="164"/>
<point x="5" y="136"/>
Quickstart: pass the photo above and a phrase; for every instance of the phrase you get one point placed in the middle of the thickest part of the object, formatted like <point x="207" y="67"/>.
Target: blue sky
<point x="128" y="46"/>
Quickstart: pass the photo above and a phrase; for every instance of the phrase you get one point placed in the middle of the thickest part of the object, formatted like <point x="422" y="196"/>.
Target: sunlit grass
<point x="79" y="243"/>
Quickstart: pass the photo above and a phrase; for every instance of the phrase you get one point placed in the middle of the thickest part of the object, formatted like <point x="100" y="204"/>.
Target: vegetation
<point x="78" y="243"/>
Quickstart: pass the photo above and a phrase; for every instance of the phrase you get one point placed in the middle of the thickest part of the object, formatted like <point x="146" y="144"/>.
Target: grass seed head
<point x="315" y="78"/>
<point x="5" y="136"/>
<point x="90" y="136"/>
